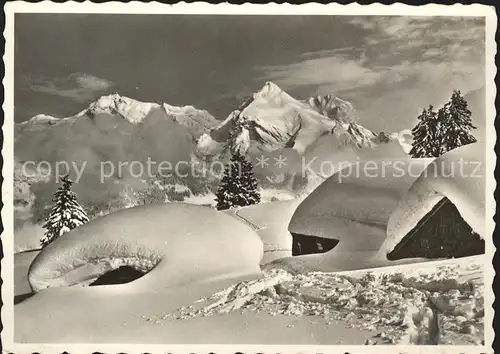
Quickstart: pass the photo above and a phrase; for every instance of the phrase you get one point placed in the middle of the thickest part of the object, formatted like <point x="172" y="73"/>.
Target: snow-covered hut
<point x="377" y="211"/>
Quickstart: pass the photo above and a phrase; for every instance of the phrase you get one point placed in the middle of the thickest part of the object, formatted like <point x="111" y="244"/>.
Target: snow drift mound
<point x="458" y="176"/>
<point x="173" y="243"/>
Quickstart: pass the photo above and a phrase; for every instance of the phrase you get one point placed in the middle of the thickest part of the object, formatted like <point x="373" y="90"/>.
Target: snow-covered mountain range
<point x="272" y="119"/>
<point x="116" y="128"/>
<point x="269" y="120"/>
<point x="135" y="112"/>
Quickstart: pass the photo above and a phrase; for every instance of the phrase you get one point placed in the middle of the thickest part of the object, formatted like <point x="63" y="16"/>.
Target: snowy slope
<point x="270" y="221"/>
<point x="42" y="119"/>
<point x="271" y="119"/>
<point x="161" y="240"/>
<point x="458" y="175"/>
<point x="22" y="262"/>
<point x="197" y="121"/>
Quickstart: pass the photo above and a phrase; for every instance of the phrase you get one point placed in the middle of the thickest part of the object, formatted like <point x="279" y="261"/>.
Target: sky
<point x="389" y="68"/>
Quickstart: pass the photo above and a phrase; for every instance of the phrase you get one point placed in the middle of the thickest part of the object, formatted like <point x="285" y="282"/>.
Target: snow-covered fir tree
<point x="455" y="129"/>
<point x="424" y="135"/>
<point x="449" y="128"/>
<point x="238" y="186"/>
<point x="66" y="214"/>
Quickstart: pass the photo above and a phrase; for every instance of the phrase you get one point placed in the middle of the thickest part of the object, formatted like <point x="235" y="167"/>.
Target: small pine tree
<point x="424" y="134"/>
<point x="457" y="124"/>
<point x="66" y="214"/>
<point x="238" y="187"/>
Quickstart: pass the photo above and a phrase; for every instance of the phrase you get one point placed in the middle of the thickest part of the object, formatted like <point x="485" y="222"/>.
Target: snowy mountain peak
<point x="268" y="90"/>
<point x="271" y="119"/>
<point x="132" y="110"/>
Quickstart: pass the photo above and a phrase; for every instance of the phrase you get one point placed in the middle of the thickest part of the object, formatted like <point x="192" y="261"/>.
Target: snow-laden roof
<point x="177" y="243"/>
<point x="354" y="206"/>
<point x="365" y="192"/>
<point x="458" y="175"/>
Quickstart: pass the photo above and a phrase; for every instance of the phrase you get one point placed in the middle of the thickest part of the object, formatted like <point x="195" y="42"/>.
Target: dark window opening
<point x="442" y="233"/>
<point x="121" y="275"/>
<point x="305" y="244"/>
<point x="20" y="298"/>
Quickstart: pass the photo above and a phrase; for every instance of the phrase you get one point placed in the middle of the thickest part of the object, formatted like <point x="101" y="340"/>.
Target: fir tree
<point x="424" y="134"/>
<point x="238" y="187"/>
<point x="456" y="127"/>
<point x="449" y="128"/>
<point x="66" y="214"/>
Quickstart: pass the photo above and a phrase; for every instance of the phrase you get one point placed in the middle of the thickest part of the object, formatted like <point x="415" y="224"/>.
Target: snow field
<point x="392" y="303"/>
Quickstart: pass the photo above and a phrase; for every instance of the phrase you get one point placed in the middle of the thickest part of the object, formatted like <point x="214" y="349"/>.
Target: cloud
<point x="345" y="74"/>
<point x="77" y="86"/>
<point x="112" y="153"/>
<point x="405" y="63"/>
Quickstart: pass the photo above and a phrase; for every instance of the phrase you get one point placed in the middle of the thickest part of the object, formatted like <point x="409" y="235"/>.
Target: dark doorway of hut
<point x="305" y="244"/>
<point x="442" y="233"/>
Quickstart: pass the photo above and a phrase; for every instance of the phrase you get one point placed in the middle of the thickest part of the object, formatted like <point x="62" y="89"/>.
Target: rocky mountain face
<point x="271" y="120"/>
<point x="333" y="107"/>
